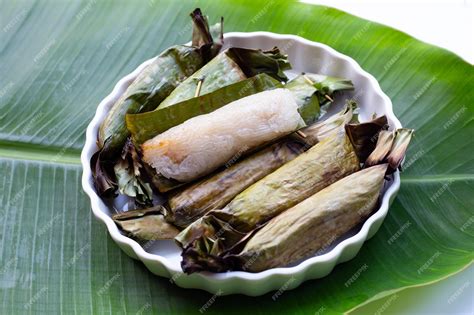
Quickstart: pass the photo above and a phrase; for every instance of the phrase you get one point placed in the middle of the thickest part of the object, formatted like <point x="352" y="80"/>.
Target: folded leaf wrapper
<point x="311" y="91"/>
<point x="327" y="85"/>
<point x="364" y="136"/>
<point x="146" y="92"/>
<point x="219" y="230"/>
<point x="145" y="224"/>
<point x="306" y="98"/>
<point x="391" y="148"/>
<point x="312" y="224"/>
<point x="214" y="192"/>
<point x="131" y="177"/>
<point x="203" y="143"/>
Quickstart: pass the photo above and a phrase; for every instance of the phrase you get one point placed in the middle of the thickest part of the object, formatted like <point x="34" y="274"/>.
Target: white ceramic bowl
<point x="163" y="257"/>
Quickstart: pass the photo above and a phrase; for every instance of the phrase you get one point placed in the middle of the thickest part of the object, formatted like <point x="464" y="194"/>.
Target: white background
<point x="448" y="24"/>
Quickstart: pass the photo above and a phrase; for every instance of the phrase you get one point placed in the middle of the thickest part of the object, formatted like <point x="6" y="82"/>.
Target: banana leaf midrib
<point x="394" y="291"/>
<point x="16" y="150"/>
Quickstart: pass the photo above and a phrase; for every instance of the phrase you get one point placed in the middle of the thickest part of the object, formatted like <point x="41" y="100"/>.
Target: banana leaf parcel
<point x="313" y="223"/>
<point x="145" y="224"/>
<point x="203" y="143"/>
<point x="146" y="92"/>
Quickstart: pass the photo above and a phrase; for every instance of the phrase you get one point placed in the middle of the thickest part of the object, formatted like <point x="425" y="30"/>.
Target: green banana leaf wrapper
<point x="306" y="98"/>
<point x="190" y="203"/>
<point x="145" y="224"/>
<point x="205" y="240"/>
<point x="312" y="91"/>
<point x="327" y="85"/>
<point x="230" y="66"/>
<point x="145" y="93"/>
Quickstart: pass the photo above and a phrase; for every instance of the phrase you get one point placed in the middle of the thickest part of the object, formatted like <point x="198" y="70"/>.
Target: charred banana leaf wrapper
<point x="230" y="66"/>
<point x="188" y="204"/>
<point x="132" y="179"/>
<point x="312" y="224"/>
<point x="364" y="135"/>
<point x="145" y="224"/>
<point x="219" y="230"/>
<point x="148" y="90"/>
<point x="188" y="151"/>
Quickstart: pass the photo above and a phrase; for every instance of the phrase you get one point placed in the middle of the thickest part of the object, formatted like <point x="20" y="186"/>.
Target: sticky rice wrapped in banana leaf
<point x="203" y="143"/>
<point x="147" y="125"/>
<point x="188" y="204"/>
<point x="316" y="222"/>
<point x="210" y="236"/>
<point x="212" y="242"/>
<point x="313" y="223"/>
<point x="147" y="91"/>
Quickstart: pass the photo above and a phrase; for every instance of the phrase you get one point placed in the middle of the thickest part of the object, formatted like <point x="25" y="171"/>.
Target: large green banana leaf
<point x="58" y="59"/>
